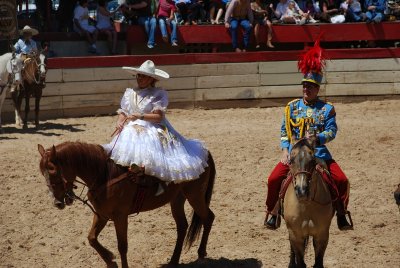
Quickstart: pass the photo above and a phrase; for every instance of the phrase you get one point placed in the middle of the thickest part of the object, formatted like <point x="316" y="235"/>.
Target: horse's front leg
<point x="298" y="245"/>
<point x="320" y="243"/>
<point x="38" y="96"/>
<point x="27" y="109"/>
<point x="121" y="227"/>
<point x="97" y="226"/>
<point x="17" y="99"/>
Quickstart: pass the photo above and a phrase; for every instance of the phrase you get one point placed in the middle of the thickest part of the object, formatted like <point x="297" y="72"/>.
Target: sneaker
<point x="303" y="21"/>
<point x="150" y="46"/>
<point x="312" y="21"/>
<point x="174" y="44"/>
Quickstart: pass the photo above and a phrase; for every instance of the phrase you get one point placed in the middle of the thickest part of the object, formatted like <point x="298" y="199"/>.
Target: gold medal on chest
<point x="309" y="112"/>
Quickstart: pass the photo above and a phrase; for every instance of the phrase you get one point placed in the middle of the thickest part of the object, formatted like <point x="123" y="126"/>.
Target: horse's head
<point x="59" y="187"/>
<point x="35" y="68"/>
<point x="302" y="166"/>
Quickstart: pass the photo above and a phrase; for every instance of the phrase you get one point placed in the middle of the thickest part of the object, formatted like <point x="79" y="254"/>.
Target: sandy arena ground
<point x="245" y="145"/>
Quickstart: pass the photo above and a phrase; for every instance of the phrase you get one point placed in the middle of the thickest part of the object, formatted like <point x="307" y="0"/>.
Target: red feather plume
<point x="313" y="60"/>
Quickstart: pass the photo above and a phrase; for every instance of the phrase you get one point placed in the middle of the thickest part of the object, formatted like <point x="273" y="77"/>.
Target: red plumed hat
<point x="312" y="63"/>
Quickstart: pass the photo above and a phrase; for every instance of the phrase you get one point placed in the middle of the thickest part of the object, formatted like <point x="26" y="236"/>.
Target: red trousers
<point x="280" y="173"/>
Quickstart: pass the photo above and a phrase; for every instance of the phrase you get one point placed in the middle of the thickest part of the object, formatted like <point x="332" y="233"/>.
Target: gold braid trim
<point x="300" y="124"/>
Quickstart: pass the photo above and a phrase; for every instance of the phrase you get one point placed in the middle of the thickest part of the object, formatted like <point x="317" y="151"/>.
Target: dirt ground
<point x="245" y="146"/>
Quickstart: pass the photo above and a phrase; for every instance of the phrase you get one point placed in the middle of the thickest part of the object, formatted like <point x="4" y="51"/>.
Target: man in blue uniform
<point x="300" y="115"/>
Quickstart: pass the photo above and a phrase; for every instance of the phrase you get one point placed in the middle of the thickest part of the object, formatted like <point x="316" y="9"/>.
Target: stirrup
<point x="346" y="216"/>
<point x="160" y="189"/>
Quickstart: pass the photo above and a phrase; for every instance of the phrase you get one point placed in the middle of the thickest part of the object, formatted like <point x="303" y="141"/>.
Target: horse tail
<point x="196" y="223"/>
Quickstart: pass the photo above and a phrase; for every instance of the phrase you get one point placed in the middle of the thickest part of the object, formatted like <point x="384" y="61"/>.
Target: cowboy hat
<point x="28" y="29"/>
<point x="147" y="68"/>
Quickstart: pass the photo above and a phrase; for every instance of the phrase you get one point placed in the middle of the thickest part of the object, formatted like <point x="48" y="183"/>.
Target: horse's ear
<point x="41" y="150"/>
<point x="312" y="140"/>
<point x="53" y="153"/>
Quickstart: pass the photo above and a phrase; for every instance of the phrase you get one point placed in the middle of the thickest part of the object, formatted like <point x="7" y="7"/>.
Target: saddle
<point x="325" y="175"/>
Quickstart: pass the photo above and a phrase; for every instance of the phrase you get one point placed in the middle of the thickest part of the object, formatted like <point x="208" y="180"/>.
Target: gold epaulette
<point x="293" y="101"/>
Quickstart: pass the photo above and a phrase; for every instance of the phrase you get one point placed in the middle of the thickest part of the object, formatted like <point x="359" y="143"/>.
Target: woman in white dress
<point x="146" y="138"/>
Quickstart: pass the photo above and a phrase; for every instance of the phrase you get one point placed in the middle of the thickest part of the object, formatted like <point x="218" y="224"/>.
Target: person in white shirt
<point x="82" y="26"/>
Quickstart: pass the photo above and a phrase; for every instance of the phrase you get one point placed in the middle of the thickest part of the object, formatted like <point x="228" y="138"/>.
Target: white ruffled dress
<point x="162" y="151"/>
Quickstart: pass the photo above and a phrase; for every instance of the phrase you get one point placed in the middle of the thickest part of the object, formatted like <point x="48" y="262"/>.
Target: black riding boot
<point x="341" y="214"/>
<point x="272" y="223"/>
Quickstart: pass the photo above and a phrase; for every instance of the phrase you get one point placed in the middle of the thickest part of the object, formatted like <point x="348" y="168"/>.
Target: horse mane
<point x="301" y="143"/>
<point x="83" y="156"/>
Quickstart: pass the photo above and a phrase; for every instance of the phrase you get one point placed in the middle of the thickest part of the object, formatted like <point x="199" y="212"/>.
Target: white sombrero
<point x="28" y="29"/>
<point x="147" y="68"/>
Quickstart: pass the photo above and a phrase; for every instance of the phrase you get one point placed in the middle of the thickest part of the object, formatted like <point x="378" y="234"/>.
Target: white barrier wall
<point x="94" y="91"/>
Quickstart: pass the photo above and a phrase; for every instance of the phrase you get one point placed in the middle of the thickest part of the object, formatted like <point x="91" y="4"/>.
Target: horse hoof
<point x="112" y="265"/>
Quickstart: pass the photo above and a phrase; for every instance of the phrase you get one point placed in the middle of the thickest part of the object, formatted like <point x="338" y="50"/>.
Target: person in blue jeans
<point x="141" y="12"/>
<point x="375" y="9"/>
<point x="166" y="16"/>
<point x="239" y="13"/>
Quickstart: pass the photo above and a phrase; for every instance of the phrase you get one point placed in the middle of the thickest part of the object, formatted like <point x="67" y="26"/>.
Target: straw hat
<point x="147" y="68"/>
<point x="28" y="29"/>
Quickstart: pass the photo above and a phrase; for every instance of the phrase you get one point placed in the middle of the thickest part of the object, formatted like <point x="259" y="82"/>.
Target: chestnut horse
<point x="308" y="208"/>
<point x="33" y="81"/>
<point x="114" y="199"/>
<point x="397" y="196"/>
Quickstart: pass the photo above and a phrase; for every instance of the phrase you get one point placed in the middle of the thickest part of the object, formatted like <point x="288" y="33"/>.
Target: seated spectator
<point x="142" y="12"/>
<point x="330" y="12"/>
<point x="312" y="8"/>
<point x="239" y="12"/>
<point x="375" y="9"/>
<point x="281" y="9"/>
<point x="392" y="9"/>
<point x="82" y="25"/>
<point x="262" y="16"/>
<point x="166" y="16"/>
<point x="182" y="10"/>
<point x="352" y="11"/>
<point x="197" y="12"/>
<point x="292" y="14"/>
<point x="104" y="25"/>
<point x="218" y="5"/>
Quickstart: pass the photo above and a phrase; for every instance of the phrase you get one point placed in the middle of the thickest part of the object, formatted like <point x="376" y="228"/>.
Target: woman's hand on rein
<point x="285" y="157"/>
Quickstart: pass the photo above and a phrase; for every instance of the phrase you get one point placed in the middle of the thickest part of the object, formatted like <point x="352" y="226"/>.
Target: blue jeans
<point x="247" y="31"/>
<point x="375" y="16"/>
<point x="354" y="16"/>
<point x="163" y="27"/>
<point x="150" y="28"/>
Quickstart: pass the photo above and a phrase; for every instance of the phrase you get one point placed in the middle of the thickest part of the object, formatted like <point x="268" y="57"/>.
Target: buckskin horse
<point x="307" y="205"/>
<point x="33" y="82"/>
<point x="114" y="196"/>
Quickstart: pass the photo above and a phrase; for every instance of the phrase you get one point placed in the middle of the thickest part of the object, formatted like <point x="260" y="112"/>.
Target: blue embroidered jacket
<point x="324" y="117"/>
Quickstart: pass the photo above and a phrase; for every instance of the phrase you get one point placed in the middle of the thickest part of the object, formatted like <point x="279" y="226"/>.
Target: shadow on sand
<point x="43" y="129"/>
<point x="221" y="263"/>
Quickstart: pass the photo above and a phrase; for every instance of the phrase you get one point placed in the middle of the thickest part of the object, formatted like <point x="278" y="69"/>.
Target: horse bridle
<point x="34" y="57"/>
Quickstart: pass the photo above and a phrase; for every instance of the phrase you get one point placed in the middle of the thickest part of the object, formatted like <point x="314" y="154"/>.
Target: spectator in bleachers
<point x="182" y="10"/>
<point x="196" y="12"/>
<point x="281" y="9"/>
<point x="166" y="16"/>
<point x="82" y="25"/>
<point x="352" y="11"/>
<point x="293" y="14"/>
<point x="142" y="12"/>
<point x="219" y="6"/>
<point x="375" y="9"/>
<point x="262" y="16"/>
<point x="312" y="8"/>
<point x="104" y="25"/>
<point x="239" y="13"/>
<point x="393" y="9"/>
<point x="330" y="12"/>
